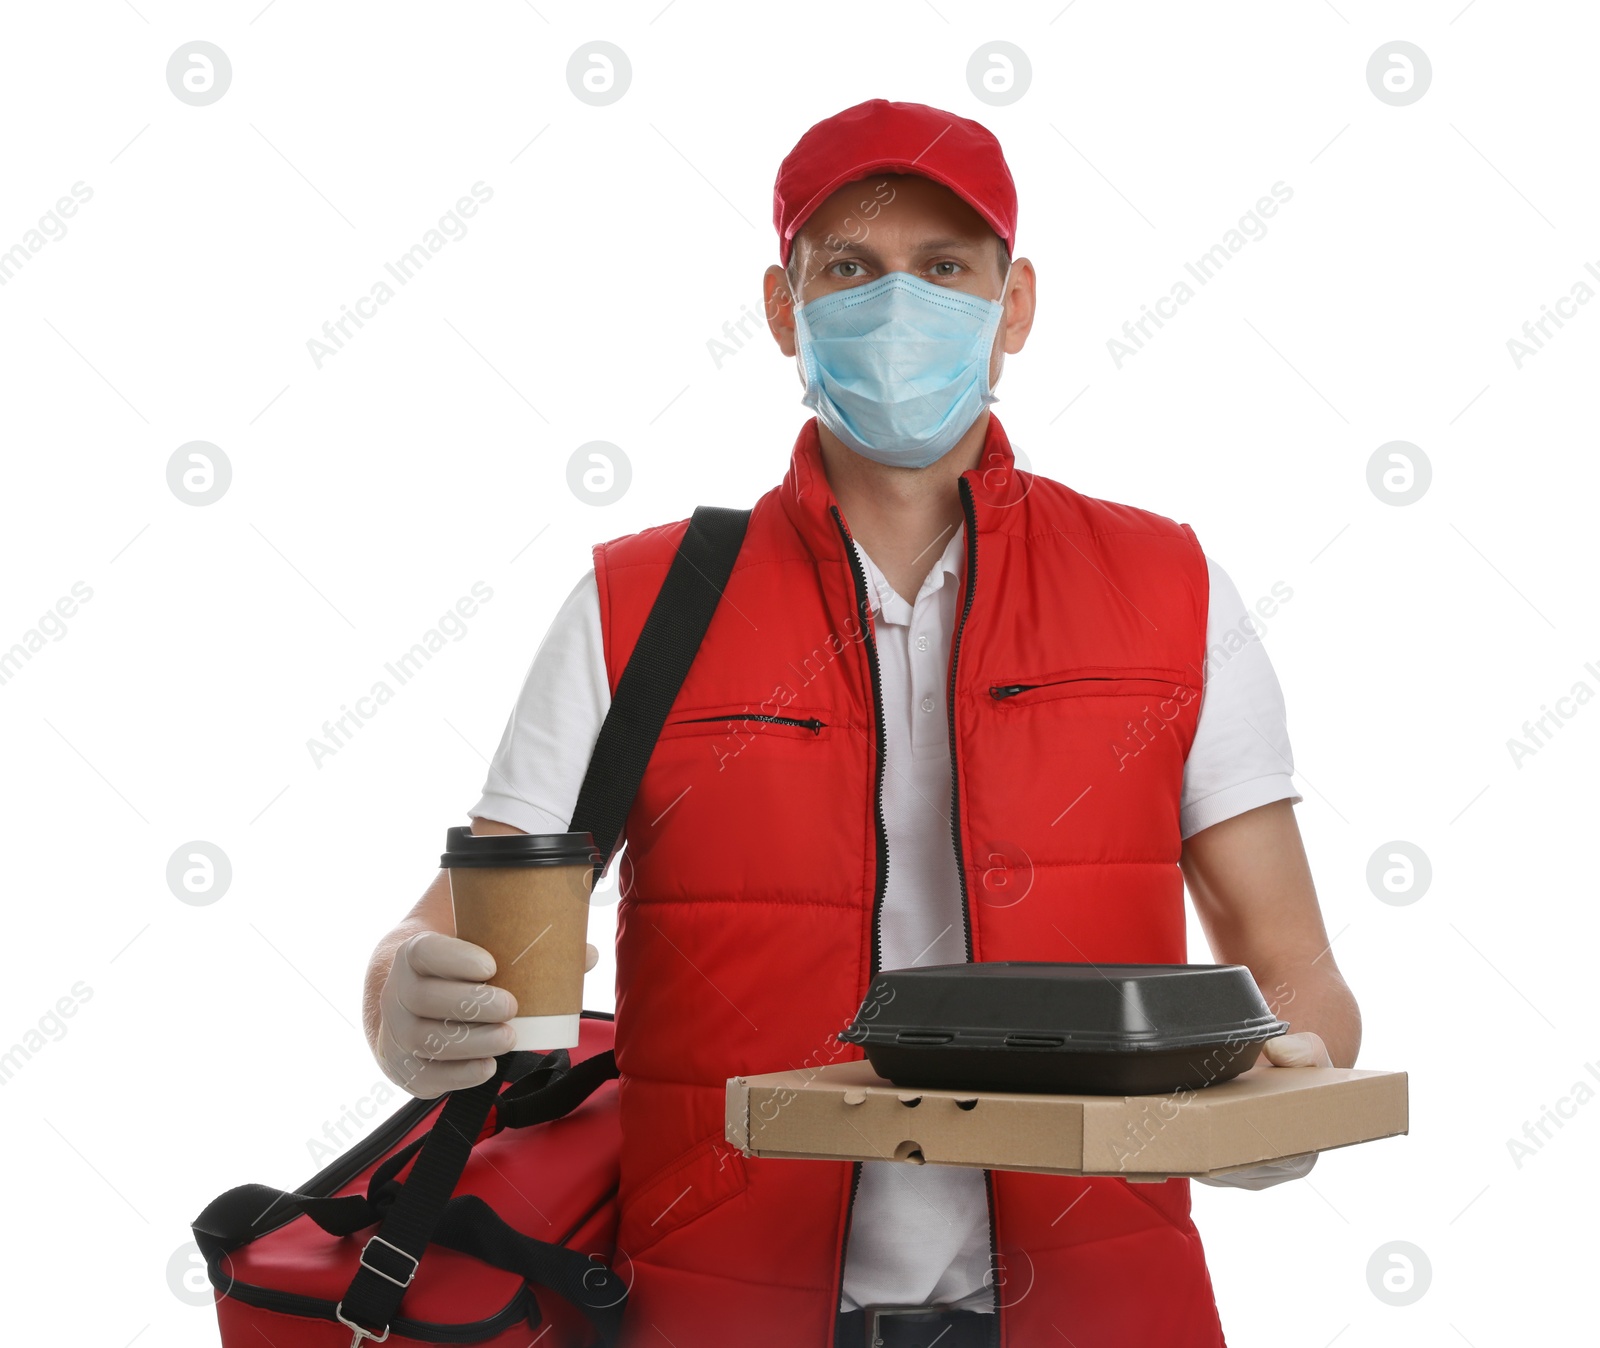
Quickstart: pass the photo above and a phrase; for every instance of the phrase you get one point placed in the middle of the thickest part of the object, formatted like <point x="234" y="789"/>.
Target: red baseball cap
<point x="903" y="137"/>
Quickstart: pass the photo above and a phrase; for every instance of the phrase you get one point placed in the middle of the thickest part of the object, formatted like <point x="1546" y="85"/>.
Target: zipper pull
<point x="998" y="691"/>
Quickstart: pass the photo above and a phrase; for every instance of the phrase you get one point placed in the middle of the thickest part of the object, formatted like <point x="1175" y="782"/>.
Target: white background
<point x="430" y="453"/>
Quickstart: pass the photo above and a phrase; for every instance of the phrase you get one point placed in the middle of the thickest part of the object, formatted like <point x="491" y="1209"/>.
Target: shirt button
<point x="922" y="643"/>
<point x="927" y="704"/>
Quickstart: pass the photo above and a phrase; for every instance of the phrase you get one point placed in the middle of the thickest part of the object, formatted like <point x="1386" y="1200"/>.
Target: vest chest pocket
<point x="709" y="1172"/>
<point x="730" y="721"/>
<point x="728" y="795"/>
<point x="1131" y="683"/>
<point x="1090" y="725"/>
<point x="722" y="733"/>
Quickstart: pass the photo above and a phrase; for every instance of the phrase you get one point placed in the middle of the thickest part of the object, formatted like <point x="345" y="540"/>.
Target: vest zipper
<point x="864" y="617"/>
<point x="964" y="488"/>
<point x="810" y="723"/>
<point x="844" y="1241"/>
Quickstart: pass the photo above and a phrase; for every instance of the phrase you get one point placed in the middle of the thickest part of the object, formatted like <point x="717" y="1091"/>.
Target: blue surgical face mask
<point x="898" y="369"/>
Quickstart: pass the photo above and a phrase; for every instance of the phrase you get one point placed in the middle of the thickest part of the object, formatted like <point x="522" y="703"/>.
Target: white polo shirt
<point x="918" y="1234"/>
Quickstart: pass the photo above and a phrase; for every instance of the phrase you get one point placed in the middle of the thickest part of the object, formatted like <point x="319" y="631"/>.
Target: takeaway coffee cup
<point x="524" y="897"/>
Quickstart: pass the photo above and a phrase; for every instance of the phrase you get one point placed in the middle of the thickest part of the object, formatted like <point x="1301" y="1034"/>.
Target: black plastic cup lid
<point x="463" y="848"/>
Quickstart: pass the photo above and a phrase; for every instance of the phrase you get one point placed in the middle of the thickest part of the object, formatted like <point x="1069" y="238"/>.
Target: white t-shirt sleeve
<point x="1240" y="757"/>
<point x="544" y="752"/>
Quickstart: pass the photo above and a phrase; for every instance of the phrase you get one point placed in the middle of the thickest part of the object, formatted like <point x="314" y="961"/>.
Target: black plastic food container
<point x="1072" y="1029"/>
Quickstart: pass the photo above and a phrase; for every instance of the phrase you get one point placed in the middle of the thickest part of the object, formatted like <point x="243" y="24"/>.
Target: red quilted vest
<point x="757" y="860"/>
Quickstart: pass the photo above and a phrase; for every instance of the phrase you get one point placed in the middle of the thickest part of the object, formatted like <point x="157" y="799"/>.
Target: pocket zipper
<point x="809" y="723"/>
<point x="1000" y="691"/>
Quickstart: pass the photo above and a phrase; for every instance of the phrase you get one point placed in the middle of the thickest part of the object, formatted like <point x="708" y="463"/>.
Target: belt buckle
<point x="877" y="1313"/>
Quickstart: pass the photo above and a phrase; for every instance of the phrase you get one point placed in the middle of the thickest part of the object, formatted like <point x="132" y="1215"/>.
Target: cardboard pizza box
<point x="845" y="1112"/>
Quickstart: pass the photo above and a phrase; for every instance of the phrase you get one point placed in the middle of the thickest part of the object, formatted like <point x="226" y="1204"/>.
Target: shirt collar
<point x="947" y="568"/>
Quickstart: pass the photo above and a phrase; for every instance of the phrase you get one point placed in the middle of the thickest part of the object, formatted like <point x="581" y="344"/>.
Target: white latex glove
<point x="1287" y="1050"/>
<point x="1296" y="1050"/>
<point x="440" y="1024"/>
<point x="1264" y="1176"/>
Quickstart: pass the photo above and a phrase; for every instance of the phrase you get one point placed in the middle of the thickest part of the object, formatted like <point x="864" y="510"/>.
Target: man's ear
<point x="1021" y="299"/>
<point x="780" y="308"/>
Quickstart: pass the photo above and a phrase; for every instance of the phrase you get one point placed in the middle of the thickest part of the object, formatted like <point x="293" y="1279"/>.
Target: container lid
<point x="1096" y="1008"/>
<point x="463" y="847"/>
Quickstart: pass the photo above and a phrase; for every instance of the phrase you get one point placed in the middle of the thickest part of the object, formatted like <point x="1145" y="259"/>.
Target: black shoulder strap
<point x="655" y="672"/>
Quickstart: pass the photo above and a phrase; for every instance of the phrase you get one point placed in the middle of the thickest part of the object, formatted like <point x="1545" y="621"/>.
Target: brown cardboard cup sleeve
<point x="524" y="897"/>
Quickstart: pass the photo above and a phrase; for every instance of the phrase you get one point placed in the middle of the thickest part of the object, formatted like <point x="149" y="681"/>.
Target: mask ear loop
<point x="794" y="290"/>
<point x="802" y="350"/>
<point x="1005" y="283"/>
<point x="989" y="395"/>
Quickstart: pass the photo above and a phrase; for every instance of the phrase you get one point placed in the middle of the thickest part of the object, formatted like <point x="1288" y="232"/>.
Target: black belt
<point x="915" y="1327"/>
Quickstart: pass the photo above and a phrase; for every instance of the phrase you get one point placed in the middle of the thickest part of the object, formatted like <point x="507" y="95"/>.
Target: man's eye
<point x="846" y="275"/>
<point x="939" y="266"/>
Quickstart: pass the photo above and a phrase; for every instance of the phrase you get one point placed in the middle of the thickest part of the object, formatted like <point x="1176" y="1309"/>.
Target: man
<point x="947" y="710"/>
